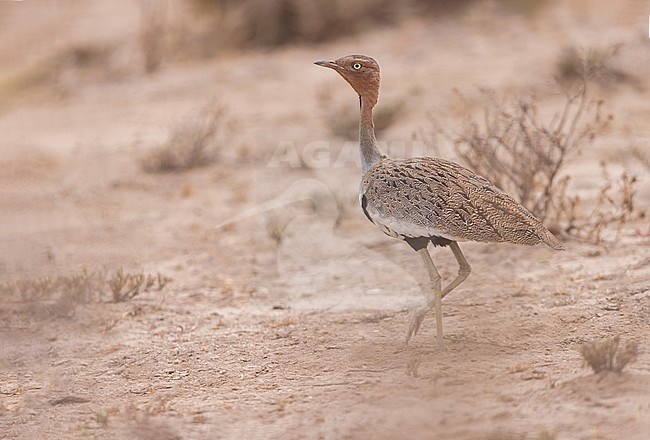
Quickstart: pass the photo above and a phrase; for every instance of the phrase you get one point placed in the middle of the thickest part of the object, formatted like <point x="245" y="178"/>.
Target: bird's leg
<point x="433" y="303"/>
<point x="464" y="269"/>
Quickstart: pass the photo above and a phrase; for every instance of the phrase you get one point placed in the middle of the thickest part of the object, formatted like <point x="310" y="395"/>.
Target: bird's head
<point x="361" y="72"/>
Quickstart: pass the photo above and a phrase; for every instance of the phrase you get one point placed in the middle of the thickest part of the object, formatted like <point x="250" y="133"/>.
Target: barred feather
<point x="429" y="196"/>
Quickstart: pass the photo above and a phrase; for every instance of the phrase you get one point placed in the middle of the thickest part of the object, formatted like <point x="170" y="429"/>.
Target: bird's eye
<point x="356" y="66"/>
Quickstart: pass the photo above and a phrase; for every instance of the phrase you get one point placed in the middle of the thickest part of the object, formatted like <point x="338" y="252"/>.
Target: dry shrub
<point x="519" y="153"/>
<point x="271" y="23"/>
<point x="66" y="70"/>
<point x="88" y="61"/>
<point x="91" y="61"/>
<point x="125" y="286"/>
<point x="56" y="296"/>
<point x="193" y="143"/>
<point x="240" y="24"/>
<point x="594" y="64"/>
<point x="609" y="354"/>
<point x="614" y="208"/>
<point x="59" y="295"/>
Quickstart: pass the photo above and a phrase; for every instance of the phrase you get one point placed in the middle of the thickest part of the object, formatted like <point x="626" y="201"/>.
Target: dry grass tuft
<point x="609" y="354"/>
<point x="59" y="295"/>
<point x="545" y="434"/>
<point x="103" y="415"/>
<point x="146" y="427"/>
<point x="503" y="435"/>
<point x="412" y="366"/>
<point x="275" y="224"/>
<point x="125" y="286"/>
<point x="194" y="143"/>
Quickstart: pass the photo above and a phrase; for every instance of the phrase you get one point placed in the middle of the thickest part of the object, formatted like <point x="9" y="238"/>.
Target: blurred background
<point x="178" y="170"/>
<point x="118" y="117"/>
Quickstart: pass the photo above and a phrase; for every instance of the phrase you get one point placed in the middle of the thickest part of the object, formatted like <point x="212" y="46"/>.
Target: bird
<point x="430" y="200"/>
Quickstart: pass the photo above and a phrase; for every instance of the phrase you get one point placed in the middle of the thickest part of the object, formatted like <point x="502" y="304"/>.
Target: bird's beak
<point x="330" y="64"/>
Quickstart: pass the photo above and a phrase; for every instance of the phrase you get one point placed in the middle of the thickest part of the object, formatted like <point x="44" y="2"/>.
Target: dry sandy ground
<point x="302" y="336"/>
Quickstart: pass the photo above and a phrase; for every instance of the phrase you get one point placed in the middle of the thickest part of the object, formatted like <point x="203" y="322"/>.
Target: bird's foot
<point x="414" y="327"/>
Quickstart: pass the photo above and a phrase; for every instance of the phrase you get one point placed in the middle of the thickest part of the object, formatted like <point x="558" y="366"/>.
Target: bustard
<point x="424" y="200"/>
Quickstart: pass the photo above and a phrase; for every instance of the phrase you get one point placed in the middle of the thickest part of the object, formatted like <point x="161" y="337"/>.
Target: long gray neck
<point x="370" y="154"/>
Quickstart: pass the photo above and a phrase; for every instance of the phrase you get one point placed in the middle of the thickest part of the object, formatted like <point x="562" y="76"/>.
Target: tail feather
<point x="552" y="241"/>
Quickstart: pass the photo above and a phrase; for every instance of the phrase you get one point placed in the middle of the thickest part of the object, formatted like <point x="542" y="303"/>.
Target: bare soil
<point x="287" y="311"/>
